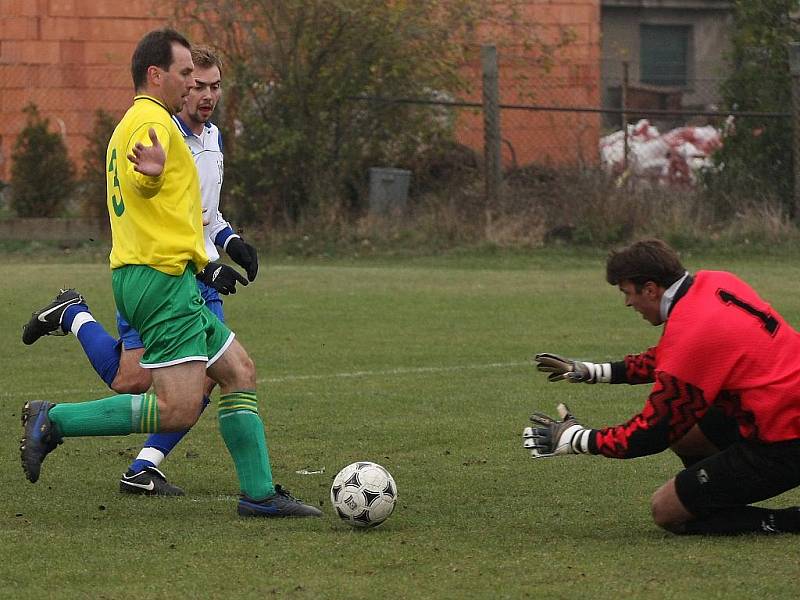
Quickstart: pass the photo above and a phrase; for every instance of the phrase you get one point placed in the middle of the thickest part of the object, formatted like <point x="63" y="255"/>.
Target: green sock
<point x="243" y="432"/>
<point x="116" y="415"/>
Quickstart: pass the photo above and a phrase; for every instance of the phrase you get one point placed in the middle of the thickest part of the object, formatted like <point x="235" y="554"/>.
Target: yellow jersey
<point x="155" y="221"/>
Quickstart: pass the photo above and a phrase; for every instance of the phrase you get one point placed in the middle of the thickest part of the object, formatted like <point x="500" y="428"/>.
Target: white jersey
<point x="206" y="150"/>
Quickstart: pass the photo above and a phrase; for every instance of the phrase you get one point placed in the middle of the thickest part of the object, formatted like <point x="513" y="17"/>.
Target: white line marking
<point x="287" y="378"/>
<point x="383" y="373"/>
<point x="212" y="499"/>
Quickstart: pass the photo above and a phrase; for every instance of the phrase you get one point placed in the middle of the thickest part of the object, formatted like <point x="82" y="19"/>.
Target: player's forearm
<point x="621" y="442"/>
<point x="619" y="372"/>
<point x="224" y="235"/>
<point x="638" y="368"/>
<point x="671" y="409"/>
<point x="561" y="368"/>
<point x="634" y="369"/>
<point x="622" y="372"/>
<point x="145" y="185"/>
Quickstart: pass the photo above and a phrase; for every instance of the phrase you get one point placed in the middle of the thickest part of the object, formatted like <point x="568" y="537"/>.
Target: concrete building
<point x="675" y="50"/>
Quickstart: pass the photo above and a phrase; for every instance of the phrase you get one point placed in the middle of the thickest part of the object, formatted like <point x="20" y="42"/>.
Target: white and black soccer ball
<point x="363" y="494"/>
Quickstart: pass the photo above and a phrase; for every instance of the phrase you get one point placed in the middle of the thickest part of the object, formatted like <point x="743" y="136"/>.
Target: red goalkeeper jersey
<point x="723" y="345"/>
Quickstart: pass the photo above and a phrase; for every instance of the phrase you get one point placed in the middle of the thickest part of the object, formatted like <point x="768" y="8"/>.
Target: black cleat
<point x="47" y="320"/>
<point x="38" y="439"/>
<point x="280" y="504"/>
<point x="148" y="482"/>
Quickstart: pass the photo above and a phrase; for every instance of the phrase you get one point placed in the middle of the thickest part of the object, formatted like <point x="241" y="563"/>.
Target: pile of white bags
<point x="673" y="158"/>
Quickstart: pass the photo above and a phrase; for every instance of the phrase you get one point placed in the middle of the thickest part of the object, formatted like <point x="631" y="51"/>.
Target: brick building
<point x="71" y="57"/>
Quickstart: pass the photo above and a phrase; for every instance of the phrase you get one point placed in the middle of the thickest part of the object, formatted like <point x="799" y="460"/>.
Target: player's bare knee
<point x="137" y="382"/>
<point x="234" y="370"/>
<point x="131" y="378"/>
<point x="248" y="372"/>
<point x="243" y="373"/>
<point x="175" y="416"/>
<point x="660" y="516"/>
<point x="663" y="514"/>
<point x="173" y="420"/>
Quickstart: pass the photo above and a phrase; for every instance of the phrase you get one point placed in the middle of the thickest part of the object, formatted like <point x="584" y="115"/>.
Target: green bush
<point x="308" y="82"/>
<point x="757" y="154"/>
<point x="93" y="180"/>
<point x="42" y="175"/>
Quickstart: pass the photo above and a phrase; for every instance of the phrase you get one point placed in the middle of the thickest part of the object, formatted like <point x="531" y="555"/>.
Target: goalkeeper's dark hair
<point x="154" y="50"/>
<point x="646" y="260"/>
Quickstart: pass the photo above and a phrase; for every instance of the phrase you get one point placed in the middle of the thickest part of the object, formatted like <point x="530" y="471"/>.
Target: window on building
<point x="664" y="54"/>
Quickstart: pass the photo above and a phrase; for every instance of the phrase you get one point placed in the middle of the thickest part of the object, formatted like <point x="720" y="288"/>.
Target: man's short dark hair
<point x="206" y="57"/>
<point x="154" y="49"/>
<point x="646" y="260"/>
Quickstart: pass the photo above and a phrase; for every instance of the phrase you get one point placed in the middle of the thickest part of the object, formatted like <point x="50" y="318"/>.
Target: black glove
<point x="574" y="371"/>
<point x="244" y="255"/>
<point x="553" y="438"/>
<point x="559" y="368"/>
<point x="221" y="277"/>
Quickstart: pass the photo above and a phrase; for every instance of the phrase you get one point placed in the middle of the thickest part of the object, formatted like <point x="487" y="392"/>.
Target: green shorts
<point x="168" y="312"/>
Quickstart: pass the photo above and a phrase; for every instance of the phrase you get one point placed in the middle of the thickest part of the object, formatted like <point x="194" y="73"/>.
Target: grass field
<point x="421" y="365"/>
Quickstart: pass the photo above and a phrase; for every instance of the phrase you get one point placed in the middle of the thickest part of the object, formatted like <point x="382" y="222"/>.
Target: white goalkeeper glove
<point x="574" y="371"/>
<point x="554" y="438"/>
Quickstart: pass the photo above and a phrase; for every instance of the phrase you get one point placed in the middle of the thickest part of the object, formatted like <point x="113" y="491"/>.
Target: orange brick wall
<point x="71" y="57"/>
<point x="574" y="80"/>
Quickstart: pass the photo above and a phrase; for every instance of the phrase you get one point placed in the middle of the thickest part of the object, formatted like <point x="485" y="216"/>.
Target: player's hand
<point x="244" y="255"/>
<point x="560" y="368"/>
<point x="553" y="438"/>
<point x="148" y="160"/>
<point x="221" y="277"/>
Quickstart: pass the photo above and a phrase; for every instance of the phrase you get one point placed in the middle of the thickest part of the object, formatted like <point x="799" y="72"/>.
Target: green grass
<point x="420" y="364"/>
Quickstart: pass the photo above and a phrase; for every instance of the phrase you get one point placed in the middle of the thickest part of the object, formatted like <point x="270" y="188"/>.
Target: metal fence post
<point x="491" y="127"/>
<point x="794" y="70"/>
<point x="624" y="115"/>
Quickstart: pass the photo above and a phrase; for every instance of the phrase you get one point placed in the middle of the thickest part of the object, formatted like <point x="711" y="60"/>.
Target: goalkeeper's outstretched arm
<point x="560" y="368"/>
<point x="633" y="369"/>
<point x="671" y="410"/>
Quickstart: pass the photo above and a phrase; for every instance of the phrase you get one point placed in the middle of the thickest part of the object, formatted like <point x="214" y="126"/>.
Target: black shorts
<point x="743" y="473"/>
<point x="719" y="428"/>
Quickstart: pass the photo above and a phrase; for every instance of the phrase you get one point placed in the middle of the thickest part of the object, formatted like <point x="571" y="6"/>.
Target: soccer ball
<point x="363" y="494"/>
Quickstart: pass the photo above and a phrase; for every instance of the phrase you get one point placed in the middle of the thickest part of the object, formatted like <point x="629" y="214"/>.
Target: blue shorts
<point x="129" y="337"/>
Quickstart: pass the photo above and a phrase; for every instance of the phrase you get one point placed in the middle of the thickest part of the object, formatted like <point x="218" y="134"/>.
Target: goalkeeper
<point x="725" y="397"/>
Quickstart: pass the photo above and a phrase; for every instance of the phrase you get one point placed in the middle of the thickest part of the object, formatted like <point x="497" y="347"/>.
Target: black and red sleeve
<point x="635" y="368"/>
<point x="672" y="408"/>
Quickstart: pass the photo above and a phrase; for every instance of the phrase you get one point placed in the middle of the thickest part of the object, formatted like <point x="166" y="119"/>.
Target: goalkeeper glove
<point x="244" y="255"/>
<point x="553" y="438"/>
<point x="574" y="371"/>
<point x="221" y="277"/>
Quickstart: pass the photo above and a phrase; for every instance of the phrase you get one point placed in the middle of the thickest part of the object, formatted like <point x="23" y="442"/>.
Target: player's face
<point x="646" y="301"/>
<point x="177" y="81"/>
<point x="203" y="97"/>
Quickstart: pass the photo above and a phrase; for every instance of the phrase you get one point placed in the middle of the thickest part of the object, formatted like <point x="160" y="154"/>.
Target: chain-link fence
<point x="567" y="127"/>
<point x="68" y="96"/>
<point x="570" y="117"/>
<point x="571" y="155"/>
<point x="672" y="130"/>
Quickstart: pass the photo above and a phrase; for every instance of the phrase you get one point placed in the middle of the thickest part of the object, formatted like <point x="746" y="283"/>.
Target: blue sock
<point x="69" y="315"/>
<point x="162" y="442"/>
<point x="102" y="350"/>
